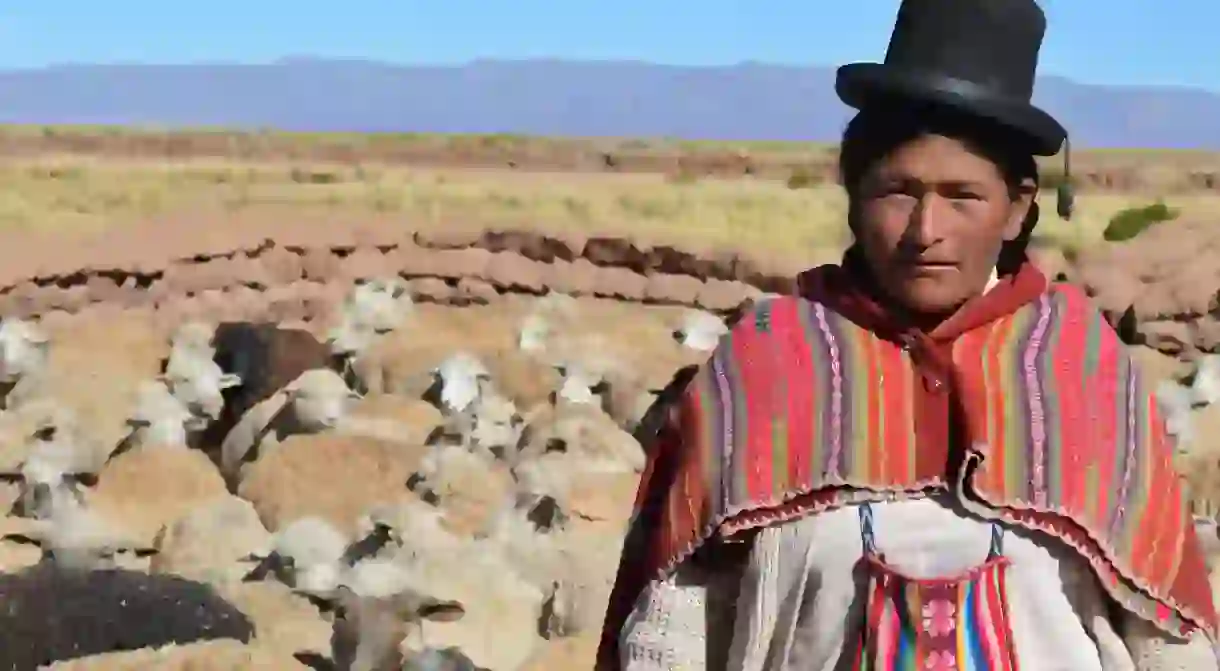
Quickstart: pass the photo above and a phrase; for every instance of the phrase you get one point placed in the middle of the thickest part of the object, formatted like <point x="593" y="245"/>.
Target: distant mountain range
<point x="545" y="97"/>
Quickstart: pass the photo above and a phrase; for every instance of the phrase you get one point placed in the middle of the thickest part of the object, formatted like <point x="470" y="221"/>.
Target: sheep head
<point x="372" y="309"/>
<point x="160" y="418"/>
<point x="194" y="338"/>
<point x="64" y="526"/>
<point x="199" y="384"/>
<point x="461" y="378"/>
<point x="579" y="384"/>
<point x="1174" y="402"/>
<point x="23" y="349"/>
<point x="53" y="458"/>
<point x="701" y="330"/>
<point x="1209" y="539"/>
<point x="412" y="524"/>
<point x="368" y="632"/>
<point x="319" y="399"/>
<point x="497" y="425"/>
<point x="533" y="334"/>
<point x="305" y="555"/>
<point x="1205" y="387"/>
<point x="45" y="488"/>
<point x="380" y="305"/>
<point x="347" y="340"/>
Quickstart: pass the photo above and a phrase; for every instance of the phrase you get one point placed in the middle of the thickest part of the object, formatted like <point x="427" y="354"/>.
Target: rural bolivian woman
<point x="930" y="458"/>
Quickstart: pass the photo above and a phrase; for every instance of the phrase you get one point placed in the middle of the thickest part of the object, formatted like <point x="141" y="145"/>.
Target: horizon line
<point x="290" y="59"/>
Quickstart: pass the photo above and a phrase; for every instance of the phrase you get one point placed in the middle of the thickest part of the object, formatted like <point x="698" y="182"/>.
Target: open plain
<point x="112" y="239"/>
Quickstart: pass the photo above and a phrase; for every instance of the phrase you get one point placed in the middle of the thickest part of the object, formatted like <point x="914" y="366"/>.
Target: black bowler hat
<point x="976" y="56"/>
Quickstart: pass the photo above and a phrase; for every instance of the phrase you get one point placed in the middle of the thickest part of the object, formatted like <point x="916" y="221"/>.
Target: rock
<point x="673" y="289"/>
<point x="620" y="283"/>
<point x="624" y="252"/>
<point x="513" y="272"/>
<point x="578" y="278"/>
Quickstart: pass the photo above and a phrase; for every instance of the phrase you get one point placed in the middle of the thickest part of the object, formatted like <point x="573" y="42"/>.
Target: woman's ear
<point x="1018" y="214"/>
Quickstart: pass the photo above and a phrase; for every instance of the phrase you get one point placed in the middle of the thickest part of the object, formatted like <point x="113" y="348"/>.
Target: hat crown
<point x="993" y="44"/>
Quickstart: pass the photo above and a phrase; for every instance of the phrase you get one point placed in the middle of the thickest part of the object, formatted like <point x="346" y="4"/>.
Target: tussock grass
<point x="88" y="194"/>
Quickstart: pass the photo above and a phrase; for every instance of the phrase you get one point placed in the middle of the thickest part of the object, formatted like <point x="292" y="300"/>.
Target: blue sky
<point x="1116" y="42"/>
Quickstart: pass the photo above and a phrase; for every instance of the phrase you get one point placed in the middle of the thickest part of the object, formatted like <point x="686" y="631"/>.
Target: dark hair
<point x="876" y="131"/>
<point x="880" y="128"/>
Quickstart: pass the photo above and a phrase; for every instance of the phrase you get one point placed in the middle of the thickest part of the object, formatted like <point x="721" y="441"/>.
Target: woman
<point x="930" y="459"/>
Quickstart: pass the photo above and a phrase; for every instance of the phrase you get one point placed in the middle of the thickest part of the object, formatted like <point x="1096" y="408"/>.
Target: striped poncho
<point x="1025" y="404"/>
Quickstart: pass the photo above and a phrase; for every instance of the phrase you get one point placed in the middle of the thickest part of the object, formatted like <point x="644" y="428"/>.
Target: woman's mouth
<point x="930" y="267"/>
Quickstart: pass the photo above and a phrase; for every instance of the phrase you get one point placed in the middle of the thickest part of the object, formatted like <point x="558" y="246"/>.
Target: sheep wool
<point x="53" y="614"/>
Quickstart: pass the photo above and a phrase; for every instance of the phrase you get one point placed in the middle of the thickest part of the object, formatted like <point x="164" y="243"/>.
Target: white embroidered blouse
<point x="793" y="605"/>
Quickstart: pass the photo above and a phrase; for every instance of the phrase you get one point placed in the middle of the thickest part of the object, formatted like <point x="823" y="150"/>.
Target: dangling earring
<point x="1065" y="195"/>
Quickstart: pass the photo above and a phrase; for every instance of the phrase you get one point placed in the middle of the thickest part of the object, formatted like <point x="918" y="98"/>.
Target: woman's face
<point x="931" y="218"/>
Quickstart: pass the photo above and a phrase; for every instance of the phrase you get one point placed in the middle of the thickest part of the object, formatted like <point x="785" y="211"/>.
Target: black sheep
<point x="267" y="357"/>
<point x="49" y="613"/>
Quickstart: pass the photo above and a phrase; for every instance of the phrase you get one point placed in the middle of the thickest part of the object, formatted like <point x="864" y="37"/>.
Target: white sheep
<point x="380" y="304"/>
<point x="53" y="462"/>
<point x="533" y="334"/>
<point x="552" y="314"/>
<point x="314" y="558"/>
<point x="483" y="418"/>
<point x="23" y="350"/>
<point x="578" y="384"/>
<point x="65" y="527"/>
<point x="1205" y="388"/>
<point x="460" y="376"/>
<point x="573" y="570"/>
<point x="413" y="526"/>
<point x="198" y="382"/>
<point x="593" y="441"/>
<point x="193" y="338"/>
<point x="496" y="426"/>
<point x="464" y="486"/>
<point x="161" y="419"/>
<point x="307" y="555"/>
<point x="369" y="631"/>
<point x="191" y="372"/>
<point x="702" y="330"/>
<point x="371" y="310"/>
<point x="315" y="401"/>
<point x="1174" y="401"/>
<point x="97" y="391"/>
<point x="499" y="629"/>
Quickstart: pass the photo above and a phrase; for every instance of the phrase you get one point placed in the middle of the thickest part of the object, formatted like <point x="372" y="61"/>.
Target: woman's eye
<point x="963" y="194"/>
<point x="896" y="190"/>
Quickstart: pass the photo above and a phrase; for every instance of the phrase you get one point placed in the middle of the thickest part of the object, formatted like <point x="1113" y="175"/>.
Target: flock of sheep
<point x="504" y="535"/>
<point x="511" y="466"/>
<point x="1188" y="406"/>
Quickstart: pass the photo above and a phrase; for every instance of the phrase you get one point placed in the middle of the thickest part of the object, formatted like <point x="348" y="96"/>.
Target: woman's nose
<point x="926" y="222"/>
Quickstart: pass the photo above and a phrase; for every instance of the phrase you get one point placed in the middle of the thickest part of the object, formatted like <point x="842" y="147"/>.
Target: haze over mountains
<point x="545" y="97"/>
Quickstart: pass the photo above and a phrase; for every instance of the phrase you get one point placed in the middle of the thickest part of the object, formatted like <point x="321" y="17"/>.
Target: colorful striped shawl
<point x="801" y="409"/>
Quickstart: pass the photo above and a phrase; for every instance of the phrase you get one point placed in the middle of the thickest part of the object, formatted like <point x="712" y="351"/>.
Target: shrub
<point x="1135" y="220"/>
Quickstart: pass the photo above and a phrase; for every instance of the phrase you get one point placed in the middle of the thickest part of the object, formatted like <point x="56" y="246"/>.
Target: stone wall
<point x="299" y="272"/>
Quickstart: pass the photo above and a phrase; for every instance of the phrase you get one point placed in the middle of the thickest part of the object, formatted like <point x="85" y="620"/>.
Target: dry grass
<point x="1083" y="157"/>
<point x="83" y="194"/>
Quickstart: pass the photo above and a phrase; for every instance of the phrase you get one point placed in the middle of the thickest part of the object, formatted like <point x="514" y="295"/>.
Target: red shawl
<point x="949" y="427"/>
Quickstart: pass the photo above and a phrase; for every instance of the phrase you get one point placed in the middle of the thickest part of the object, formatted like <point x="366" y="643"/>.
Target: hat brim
<point x="858" y="83"/>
